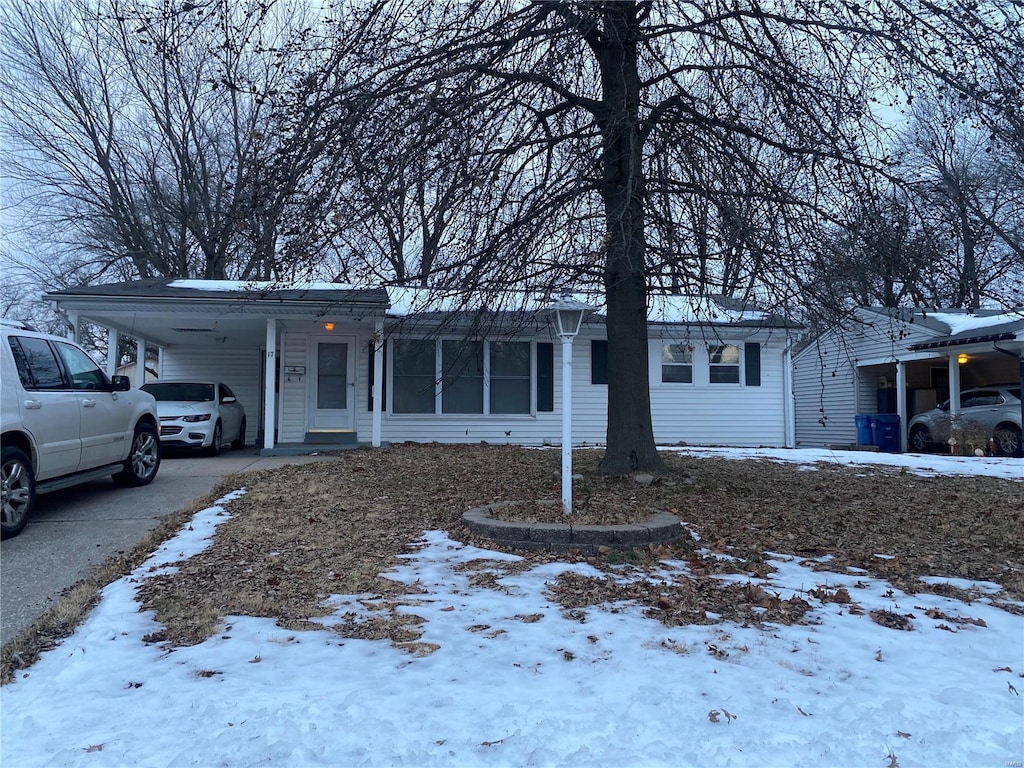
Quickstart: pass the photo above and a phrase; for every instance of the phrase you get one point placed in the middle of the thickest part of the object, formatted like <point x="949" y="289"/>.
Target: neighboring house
<point x="719" y="374"/>
<point x="131" y="371"/>
<point x="899" y="361"/>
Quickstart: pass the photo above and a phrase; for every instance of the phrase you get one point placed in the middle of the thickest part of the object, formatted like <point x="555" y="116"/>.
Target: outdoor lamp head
<point x="568" y="314"/>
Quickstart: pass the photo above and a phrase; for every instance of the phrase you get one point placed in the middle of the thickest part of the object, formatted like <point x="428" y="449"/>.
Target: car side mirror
<point x="120" y="383"/>
<point x="229" y="399"/>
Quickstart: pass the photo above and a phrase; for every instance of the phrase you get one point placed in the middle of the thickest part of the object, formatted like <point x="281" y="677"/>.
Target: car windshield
<point x="180" y="391"/>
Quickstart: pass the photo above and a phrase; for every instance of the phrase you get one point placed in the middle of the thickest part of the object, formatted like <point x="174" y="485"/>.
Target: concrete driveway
<point x="74" y="530"/>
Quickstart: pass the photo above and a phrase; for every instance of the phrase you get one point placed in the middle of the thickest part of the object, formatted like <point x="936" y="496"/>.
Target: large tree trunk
<point x="630" y="438"/>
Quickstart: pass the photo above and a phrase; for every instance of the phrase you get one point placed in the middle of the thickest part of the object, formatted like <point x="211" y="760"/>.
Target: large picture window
<point x="474" y="377"/>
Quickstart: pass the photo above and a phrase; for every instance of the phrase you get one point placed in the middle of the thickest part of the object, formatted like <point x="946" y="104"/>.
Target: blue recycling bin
<point x="885" y="432"/>
<point x="863" y="422"/>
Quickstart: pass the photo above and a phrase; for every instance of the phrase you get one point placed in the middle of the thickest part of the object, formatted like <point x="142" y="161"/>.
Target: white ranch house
<point x="902" y="362"/>
<point x="325" y="363"/>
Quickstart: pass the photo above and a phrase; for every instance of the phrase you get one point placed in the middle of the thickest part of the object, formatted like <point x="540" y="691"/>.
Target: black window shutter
<point x="384" y="384"/>
<point x="752" y="363"/>
<point x="545" y="376"/>
<point x="598" y="361"/>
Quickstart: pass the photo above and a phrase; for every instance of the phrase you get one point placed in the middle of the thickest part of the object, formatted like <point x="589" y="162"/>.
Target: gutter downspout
<point x="788" y="406"/>
<point x="378" y="384"/>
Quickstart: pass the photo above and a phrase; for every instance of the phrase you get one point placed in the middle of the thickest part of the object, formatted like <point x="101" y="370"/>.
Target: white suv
<point x="65" y="422"/>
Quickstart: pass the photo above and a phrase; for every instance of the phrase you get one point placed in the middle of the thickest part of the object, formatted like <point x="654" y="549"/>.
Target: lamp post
<point x="568" y="317"/>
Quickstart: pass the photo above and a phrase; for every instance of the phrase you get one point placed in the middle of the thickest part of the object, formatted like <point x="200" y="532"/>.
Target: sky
<point x="504" y="679"/>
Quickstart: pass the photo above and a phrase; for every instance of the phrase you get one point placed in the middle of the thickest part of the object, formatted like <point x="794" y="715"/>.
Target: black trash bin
<point x="885" y="432"/>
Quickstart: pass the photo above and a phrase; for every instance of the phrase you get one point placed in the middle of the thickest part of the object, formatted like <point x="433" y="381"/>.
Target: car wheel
<point x="239" y="443"/>
<point x="1007" y="437"/>
<point x="19" y="492"/>
<point x="143" y="460"/>
<point x="218" y="440"/>
<point x="920" y="438"/>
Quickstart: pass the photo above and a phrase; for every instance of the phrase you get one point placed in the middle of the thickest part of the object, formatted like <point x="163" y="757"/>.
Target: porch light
<point x="568" y="317"/>
<point x="962" y="358"/>
<point x="328" y="326"/>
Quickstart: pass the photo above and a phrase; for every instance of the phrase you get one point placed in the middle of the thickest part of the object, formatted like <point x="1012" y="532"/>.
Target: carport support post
<point x="140" y="362"/>
<point x="901" y="402"/>
<point x="378" y="384"/>
<point x="113" y="338"/>
<point x="269" y="380"/>
<point x="954" y="386"/>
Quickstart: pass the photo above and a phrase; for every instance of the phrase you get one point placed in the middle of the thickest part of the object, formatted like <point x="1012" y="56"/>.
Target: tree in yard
<point x="628" y="125"/>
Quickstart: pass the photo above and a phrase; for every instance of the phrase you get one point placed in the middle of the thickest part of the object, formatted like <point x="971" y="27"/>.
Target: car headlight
<point x="198" y="417"/>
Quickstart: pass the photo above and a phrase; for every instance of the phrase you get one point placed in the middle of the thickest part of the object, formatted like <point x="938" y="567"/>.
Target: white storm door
<point x="331" y="383"/>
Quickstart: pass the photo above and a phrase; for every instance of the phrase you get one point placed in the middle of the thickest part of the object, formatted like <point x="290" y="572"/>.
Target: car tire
<point x="1008" y="439"/>
<point x="921" y="439"/>
<point x="218" y="440"/>
<point x="19" y="491"/>
<point x="143" y="459"/>
<point x="239" y="443"/>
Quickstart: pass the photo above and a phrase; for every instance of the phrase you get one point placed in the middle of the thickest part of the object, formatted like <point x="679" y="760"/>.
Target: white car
<point x="64" y="422"/>
<point x="198" y="414"/>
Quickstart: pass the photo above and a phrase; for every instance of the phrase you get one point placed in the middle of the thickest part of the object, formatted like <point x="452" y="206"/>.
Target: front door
<point x="332" y="383"/>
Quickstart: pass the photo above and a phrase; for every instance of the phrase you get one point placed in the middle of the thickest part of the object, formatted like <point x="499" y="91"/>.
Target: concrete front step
<point x="308" y="449"/>
<point x="331" y="436"/>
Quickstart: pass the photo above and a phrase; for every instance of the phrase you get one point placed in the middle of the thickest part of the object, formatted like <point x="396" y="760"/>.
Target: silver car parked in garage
<point x="992" y="412"/>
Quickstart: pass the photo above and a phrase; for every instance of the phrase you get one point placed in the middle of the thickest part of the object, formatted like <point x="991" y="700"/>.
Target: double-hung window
<point x="509" y="376"/>
<point x="414" y="376"/>
<point x="724" y="364"/>
<point x="469" y="377"/>
<point x="677" y="363"/>
<point x="462" y="379"/>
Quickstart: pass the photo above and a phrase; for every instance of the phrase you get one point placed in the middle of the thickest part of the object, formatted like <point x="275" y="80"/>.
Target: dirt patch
<point x="303" y="533"/>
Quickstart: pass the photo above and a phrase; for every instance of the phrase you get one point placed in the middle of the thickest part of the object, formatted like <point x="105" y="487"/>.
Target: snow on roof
<point x="661" y="308"/>
<point x="696" y="309"/>
<point x="958" y="323"/>
<point x="409" y="301"/>
<point x="257" y="285"/>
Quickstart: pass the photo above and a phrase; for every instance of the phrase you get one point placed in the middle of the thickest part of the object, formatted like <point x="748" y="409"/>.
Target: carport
<point x="226" y="328"/>
<point x="931" y="372"/>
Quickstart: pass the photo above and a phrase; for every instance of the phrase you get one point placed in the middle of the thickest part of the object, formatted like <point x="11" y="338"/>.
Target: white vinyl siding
<point x="293" y="392"/>
<point x="836" y="376"/>
<point x="706" y="413"/>
<point x="697" y="413"/>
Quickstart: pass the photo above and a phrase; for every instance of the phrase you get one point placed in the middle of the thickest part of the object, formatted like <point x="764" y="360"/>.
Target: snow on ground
<point x="926" y="464"/>
<point x="513" y="682"/>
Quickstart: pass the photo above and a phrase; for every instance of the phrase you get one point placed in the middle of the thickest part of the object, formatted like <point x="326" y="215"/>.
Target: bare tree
<point x="134" y="128"/>
<point x="969" y="193"/>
